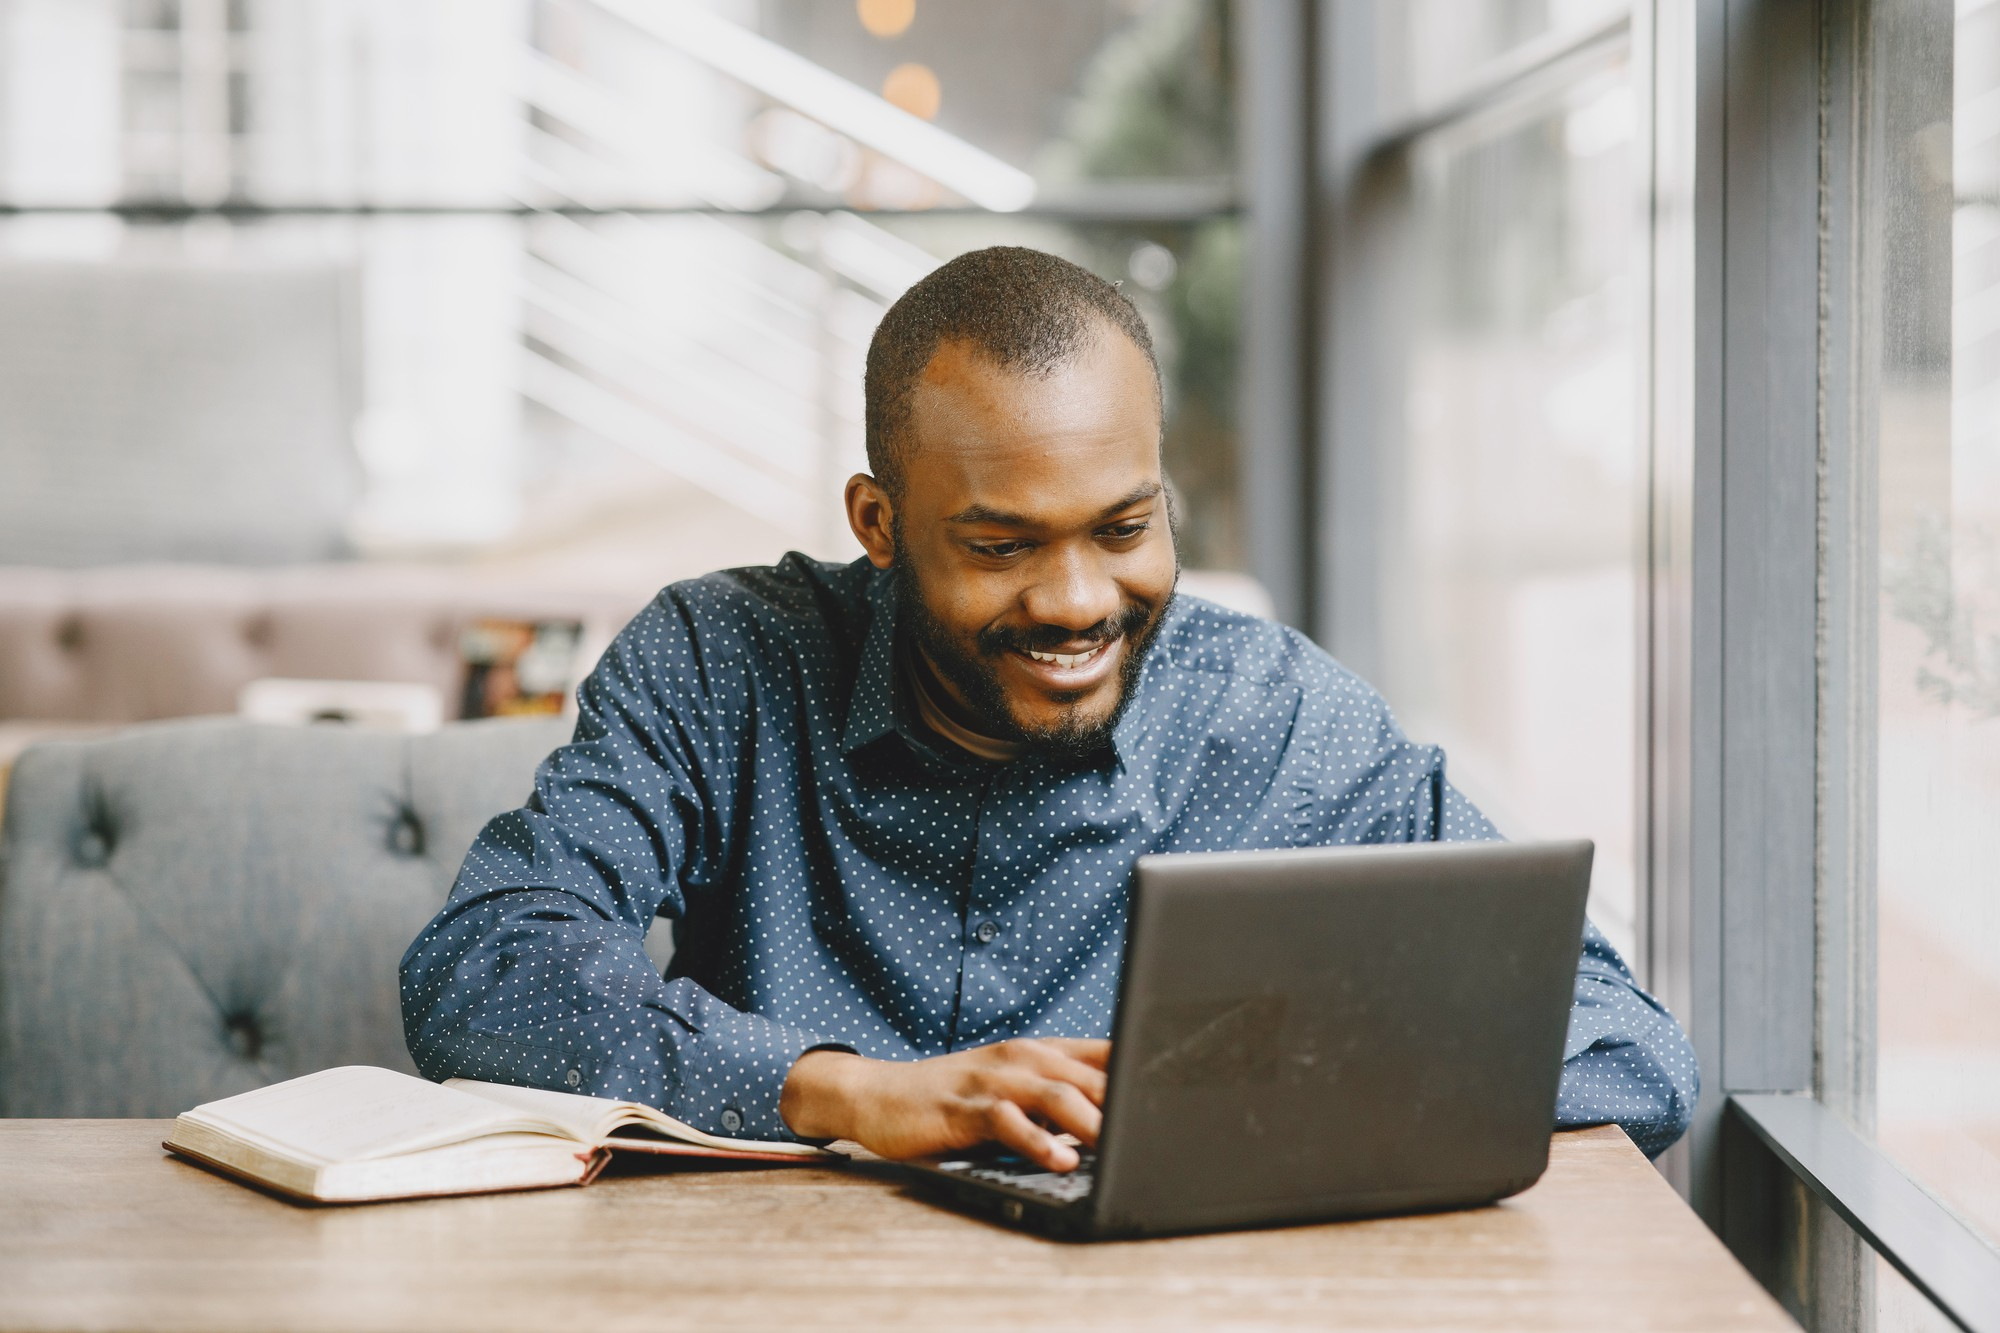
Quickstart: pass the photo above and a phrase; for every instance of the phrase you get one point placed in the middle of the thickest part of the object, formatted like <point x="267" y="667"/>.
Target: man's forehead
<point x="1031" y="477"/>
<point x="1088" y="427"/>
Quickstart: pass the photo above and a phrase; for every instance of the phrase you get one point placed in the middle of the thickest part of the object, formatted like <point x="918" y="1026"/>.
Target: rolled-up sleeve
<point x="1626" y="1061"/>
<point x="535" y="971"/>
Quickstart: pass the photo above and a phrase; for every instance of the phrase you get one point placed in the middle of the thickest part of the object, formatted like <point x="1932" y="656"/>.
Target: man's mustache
<point x="996" y="639"/>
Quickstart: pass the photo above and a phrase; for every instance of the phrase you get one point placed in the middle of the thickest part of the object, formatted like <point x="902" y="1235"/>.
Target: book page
<point x="587" y="1119"/>
<point x="594" y="1119"/>
<point x="358" y="1112"/>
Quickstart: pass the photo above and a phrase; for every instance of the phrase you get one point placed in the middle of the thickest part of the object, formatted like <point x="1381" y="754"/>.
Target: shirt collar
<point x="1151" y="693"/>
<point x="871" y="708"/>
<point x="1131" y="726"/>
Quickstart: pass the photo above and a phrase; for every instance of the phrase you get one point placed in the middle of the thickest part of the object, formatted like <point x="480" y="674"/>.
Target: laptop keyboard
<point x="1015" y="1172"/>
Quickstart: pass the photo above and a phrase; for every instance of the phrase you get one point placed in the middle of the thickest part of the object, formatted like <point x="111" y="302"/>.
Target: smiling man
<point x="891" y="808"/>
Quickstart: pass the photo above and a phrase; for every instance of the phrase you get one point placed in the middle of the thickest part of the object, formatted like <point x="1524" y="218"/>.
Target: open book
<point x="358" y="1133"/>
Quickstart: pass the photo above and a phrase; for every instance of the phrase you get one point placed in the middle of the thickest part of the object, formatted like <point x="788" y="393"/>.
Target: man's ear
<point x="871" y="514"/>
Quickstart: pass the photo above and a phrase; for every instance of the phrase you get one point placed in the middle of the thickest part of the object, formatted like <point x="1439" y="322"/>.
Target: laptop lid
<point x="1332" y="1032"/>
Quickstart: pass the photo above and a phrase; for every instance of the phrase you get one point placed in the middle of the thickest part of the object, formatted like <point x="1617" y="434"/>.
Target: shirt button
<point x="987" y="933"/>
<point x="573" y="1077"/>
<point x="732" y="1119"/>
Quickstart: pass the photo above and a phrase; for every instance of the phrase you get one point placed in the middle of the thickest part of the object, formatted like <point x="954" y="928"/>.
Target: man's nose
<point x="1074" y="591"/>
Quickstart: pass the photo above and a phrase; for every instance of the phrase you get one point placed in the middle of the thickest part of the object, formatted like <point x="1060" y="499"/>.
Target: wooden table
<point x="100" y="1230"/>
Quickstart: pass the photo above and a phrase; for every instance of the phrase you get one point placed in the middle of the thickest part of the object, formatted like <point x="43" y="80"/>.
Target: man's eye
<point x="999" y="550"/>
<point x="1125" y="531"/>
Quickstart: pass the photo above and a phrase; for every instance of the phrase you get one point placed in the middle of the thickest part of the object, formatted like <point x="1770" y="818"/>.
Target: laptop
<point x="1315" y="1034"/>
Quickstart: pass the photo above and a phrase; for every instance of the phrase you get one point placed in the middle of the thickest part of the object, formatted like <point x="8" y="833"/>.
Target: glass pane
<point x="509" y="102"/>
<point x="1901" y="1308"/>
<point x="570" y="396"/>
<point x="575" y="388"/>
<point x="1432" y="48"/>
<point x="1068" y="89"/>
<point x="1936" y="147"/>
<point x="1512" y="565"/>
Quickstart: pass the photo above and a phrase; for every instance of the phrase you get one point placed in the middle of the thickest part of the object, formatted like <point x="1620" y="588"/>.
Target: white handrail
<point x="845" y="107"/>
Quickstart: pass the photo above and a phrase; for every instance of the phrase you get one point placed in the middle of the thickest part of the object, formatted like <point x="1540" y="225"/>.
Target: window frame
<point x="1757" y="634"/>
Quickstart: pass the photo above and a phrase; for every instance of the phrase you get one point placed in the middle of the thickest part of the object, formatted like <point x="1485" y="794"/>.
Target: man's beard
<point x="976" y="677"/>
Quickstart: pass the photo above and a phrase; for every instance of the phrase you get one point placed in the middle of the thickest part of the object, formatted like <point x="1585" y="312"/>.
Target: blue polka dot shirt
<point x="749" y="767"/>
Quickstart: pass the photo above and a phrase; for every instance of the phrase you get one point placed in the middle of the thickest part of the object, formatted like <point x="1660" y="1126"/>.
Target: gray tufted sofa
<point x="192" y="909"/>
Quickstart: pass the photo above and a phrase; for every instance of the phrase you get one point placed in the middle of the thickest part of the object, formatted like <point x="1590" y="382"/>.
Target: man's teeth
<point x="1066" y="659"/>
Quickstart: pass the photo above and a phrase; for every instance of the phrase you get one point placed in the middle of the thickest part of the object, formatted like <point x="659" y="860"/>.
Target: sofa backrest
<point x="193" y="909"/>
<point x="137" y="643"/>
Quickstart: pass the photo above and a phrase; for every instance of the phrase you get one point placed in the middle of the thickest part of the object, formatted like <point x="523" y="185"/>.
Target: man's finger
<point x="1093" y="1051"/>
<point x="1009" y="1126"/>
<point x="1052" y="1060"/>
<point x="1059" y="1103"/>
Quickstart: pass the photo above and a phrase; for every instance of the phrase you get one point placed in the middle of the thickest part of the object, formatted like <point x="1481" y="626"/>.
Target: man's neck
<point x="934" y="706"/>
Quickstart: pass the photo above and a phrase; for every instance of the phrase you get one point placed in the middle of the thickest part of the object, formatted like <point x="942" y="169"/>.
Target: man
<point x="891" y="808"/>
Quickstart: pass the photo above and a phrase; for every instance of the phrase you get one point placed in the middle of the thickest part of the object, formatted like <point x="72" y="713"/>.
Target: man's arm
<point x="535" y="971"/>
<point x="1626" y="1061"/>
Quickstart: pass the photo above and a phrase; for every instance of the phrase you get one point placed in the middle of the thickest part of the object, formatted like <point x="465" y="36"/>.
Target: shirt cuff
<point x="727" y="1079"/>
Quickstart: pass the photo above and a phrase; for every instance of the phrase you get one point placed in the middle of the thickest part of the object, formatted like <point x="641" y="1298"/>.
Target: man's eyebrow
<point x="979" y="513"/>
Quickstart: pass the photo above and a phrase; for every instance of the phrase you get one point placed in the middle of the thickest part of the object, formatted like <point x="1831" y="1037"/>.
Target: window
<point x="1433" y="50"/>
<point x="1886" y="1106"/>
<point x="1936" y="139"/>
<point x="1512" y="466"/>
<point x="612" y="269"/>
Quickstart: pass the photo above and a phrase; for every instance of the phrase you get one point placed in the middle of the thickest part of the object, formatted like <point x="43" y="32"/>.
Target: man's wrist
<point x="815" y="1100"/>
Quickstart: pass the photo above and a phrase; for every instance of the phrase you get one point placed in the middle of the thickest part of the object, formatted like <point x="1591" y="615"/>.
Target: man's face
<point x="1032" y="538"/>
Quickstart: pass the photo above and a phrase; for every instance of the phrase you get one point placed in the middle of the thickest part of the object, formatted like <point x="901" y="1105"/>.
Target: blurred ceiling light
<point x="886" y="18"/>
<point x="915" y="89"/>
<point x="848" y="108"/>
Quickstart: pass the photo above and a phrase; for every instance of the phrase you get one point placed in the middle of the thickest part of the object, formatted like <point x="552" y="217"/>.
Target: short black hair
<point x="1027" y="310"/>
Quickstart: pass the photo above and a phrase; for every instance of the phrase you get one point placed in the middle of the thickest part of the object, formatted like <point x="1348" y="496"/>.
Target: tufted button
<point x="257" y="631"/>
<point x="97" y="830"/>
<point x="93" y="847"/>
<point x="244" y="1035"/>
<point x="69" y="634"/>
<point x="406" y="834"/>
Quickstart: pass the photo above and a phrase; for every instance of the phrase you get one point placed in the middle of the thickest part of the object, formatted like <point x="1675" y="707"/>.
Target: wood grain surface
<point x="100" y="1230"/>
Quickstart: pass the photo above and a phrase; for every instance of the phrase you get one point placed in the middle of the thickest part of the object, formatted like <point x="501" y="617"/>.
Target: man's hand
<point x="1018" y="1093"/>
